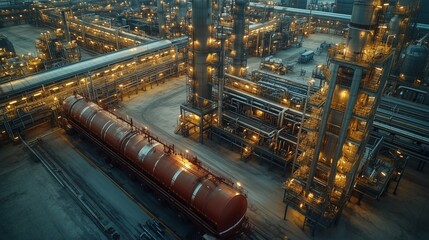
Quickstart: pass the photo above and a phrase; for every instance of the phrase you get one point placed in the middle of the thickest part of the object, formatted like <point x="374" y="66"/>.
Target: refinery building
<point x="214" y="119"/>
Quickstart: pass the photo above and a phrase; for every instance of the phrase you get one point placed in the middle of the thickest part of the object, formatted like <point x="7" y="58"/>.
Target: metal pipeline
<point x="253" y="105"/>
<point x="267" y="134"/>
<point x="239" y="78"/>
<point x="256" y="104"/>
<point x="412" y="89"/>
<point x="375" y="149"/>
<point x="83" y="24"/>
<point x="263" y="27"/>
<point x="281" y="117"/>
<point x="230" y="90"/>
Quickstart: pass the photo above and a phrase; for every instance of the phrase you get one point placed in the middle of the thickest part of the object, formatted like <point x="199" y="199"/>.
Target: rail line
<point x="67" y="180"/>
<point x="89" y="201"/>
<point x="156" y="222"/>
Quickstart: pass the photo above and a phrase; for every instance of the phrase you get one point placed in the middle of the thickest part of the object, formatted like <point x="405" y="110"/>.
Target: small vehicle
<point x="306" y="56"/>
<point x="273" y="64"/>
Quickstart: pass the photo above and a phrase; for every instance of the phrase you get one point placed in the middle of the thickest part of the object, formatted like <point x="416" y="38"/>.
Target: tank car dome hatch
<point x="414" y="62"/>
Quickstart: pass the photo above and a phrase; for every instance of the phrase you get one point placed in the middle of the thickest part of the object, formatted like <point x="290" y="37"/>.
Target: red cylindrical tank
<point x="216" y="202"/>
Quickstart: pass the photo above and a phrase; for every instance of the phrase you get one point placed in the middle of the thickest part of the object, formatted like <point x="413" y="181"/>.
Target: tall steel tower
<point x="239" y="38"/>
<point x="204" y="51"/>
<point x="332" y="144"/>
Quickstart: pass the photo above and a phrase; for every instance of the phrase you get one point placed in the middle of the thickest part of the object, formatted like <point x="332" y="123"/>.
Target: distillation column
<point x="181" y="13"/>
<point x="239" y="38"/>
<point x="160" y="11"/>
<point x="198" y="113"/>
<point x="342" y="112"/>
<point x="202" y="41"/>
<point x="65" y="26"/>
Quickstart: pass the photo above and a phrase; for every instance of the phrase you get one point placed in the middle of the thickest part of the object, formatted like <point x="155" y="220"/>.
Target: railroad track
<point x="101" y="213"/>
<point x="153" y="229"/>
<point x="69" y="180"/>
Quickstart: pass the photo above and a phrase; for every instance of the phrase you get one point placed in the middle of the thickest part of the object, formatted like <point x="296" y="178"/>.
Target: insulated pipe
<point x="260" y="84"/>
<point x="376" y="148"/>
<point x="232" y="90"/>
<point x="239" y="78"/>
<point x="277" y="135"/>
<point x="263" y="27"/>
<point x="258" y="105"/>
<point x="281" y="117"/>
<point x="254" y="105"/>
<point x="267" y="134"/>
<point x="411" y="89"/>
<point x="277" y="88"/>
<point x="82" y="23"/>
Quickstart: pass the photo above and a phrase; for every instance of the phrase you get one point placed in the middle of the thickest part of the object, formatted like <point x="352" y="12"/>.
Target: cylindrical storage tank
<point x="79" y="109"/>
<point x="414" y="62"/>
<point x="98" y="123"/>
<point x="224" y="206"/>
<point x="149" y="158"/>
<point x="357" y="39"/>
<point x="186" y="185"/>
<point x="166" y="171"/>
<point x="113" y="134"/>
<point x="133" y="147"/>
<point x="363" y="13"/>
<point x="216" y="203"/>
<point x="70" y="101"/>
<point x="362" y="21"/>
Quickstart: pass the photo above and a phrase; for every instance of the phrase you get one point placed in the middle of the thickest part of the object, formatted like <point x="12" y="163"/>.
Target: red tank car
<point x="215" y="202"/>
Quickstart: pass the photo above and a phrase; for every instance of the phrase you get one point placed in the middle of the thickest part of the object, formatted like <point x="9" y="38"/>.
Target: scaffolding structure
<point x="331" y="147"/>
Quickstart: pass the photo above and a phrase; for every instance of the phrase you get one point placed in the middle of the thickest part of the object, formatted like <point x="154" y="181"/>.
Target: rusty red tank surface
<point x="214" y="201"/>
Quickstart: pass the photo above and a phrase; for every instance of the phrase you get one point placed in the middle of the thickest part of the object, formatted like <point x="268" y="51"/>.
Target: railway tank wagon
<point x="214" y="202"/>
